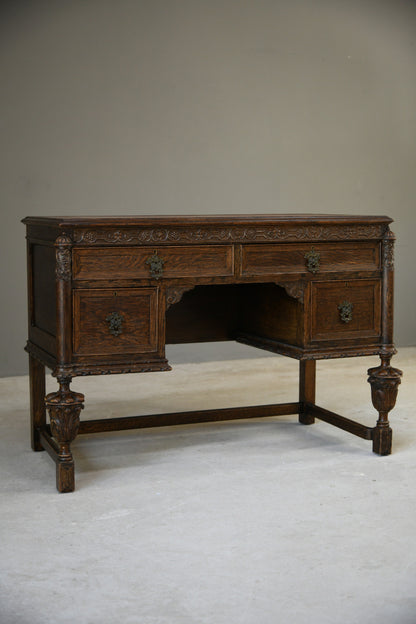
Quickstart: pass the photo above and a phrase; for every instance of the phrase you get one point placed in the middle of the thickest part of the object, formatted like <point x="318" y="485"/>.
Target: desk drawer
<point x="297" y="258"/>
<point x="108" y="321"/>
<point x="342" y="310"/>
<point x="153" y="262"/>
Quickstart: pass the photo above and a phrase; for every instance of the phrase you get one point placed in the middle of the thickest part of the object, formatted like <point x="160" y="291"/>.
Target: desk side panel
<point x="42" y="296"/>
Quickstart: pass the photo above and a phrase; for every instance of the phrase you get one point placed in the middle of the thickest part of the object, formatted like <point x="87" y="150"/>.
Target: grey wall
<point x="175" y="106"/>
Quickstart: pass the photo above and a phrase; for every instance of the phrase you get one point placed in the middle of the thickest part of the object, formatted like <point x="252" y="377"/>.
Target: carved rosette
<point x="63" y="258"/>
<point x="64" y="410"/>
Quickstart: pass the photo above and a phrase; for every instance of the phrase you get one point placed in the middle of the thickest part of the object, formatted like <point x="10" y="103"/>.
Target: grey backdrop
<point x="205" y="106"/>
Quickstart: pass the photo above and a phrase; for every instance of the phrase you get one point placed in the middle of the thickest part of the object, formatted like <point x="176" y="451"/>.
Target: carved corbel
<point x="294" y="289"/>
<point x="175" y="293"/>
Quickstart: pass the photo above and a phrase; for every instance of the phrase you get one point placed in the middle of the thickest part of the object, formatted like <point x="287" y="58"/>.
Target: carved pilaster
<point x="384" y="381"/>
<point x="63" y="274"/>
<point x="388" y="250"/>
<point x="63" y="257"/>
<point x="387" y="285"/>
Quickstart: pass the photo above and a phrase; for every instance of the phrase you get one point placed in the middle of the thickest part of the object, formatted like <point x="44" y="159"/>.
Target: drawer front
<point x="345" y="310"/>
<point x="296" y="258"/>
<point x="148" y="262"/>
<point x="108" y="321"/>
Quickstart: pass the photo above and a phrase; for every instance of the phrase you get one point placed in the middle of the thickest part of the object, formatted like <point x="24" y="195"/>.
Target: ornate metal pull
<point x="345" y="311"/>
<point x="312" y="260"/>
<point x="155" y="263"/>
<point x="115" y="320"/>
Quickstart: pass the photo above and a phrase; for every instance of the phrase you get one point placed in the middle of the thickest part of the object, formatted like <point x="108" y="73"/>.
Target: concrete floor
<point x="255" y="522"/>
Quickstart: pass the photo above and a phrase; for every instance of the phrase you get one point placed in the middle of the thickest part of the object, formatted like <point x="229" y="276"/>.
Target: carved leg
<point x="384" y="382"/>
<point x="307" y="383"/>
<point x="37" y="401"/>
<point x="64" y="409"/>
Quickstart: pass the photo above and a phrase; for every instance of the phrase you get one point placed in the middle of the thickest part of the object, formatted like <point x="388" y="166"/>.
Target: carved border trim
<point x="233" y="234"/>
<point x="39" y="354"/>
<point x="146" y="366"/>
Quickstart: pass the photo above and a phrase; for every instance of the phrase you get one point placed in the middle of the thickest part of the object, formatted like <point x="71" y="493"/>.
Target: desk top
<point x="213" y="219"/>
<point x="207" y="229"/>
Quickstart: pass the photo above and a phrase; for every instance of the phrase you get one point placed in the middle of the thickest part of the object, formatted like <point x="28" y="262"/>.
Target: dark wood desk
<point x="106" y="295"/>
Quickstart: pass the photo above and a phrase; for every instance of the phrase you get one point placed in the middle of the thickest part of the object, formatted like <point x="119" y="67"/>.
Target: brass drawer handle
<point x="155" y="263"/>
<point x="312" y="260"/>
<point x="115" y="321"/>
<point x="345" y="311"/>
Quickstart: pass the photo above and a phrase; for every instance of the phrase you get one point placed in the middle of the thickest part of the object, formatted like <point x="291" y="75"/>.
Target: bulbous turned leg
<point x="384" y="382"/>
<point x="64" y="408"/>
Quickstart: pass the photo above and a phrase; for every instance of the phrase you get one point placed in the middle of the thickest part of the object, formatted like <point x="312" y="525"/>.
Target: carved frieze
<point x="235" y="234"/>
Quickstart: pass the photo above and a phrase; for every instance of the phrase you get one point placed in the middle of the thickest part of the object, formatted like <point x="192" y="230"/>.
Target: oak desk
<point x="106" y="295"/>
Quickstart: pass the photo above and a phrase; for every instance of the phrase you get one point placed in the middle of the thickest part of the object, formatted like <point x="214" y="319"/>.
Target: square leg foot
<point x="36" y="444"/>
<point x="306" y="419"/>
<point x="65" y="476"/>
<point x="382" y="440"/>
